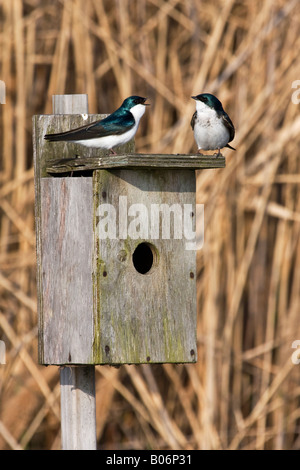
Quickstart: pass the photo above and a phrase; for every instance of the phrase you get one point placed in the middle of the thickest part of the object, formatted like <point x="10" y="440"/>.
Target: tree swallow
<point x="114" y="130"/>
<point x="212" y="127"/>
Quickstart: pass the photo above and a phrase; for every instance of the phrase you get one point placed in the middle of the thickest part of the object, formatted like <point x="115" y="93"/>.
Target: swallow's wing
<point x="228" y="124"/>
<point x="113" y="124"/>
<point x="116" y="124"/>
<point x="193" y="120"/>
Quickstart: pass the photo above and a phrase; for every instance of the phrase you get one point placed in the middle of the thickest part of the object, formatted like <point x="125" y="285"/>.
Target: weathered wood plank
<point x="67" y="291"/>
<point x="143" y="318"/>
<point x="135" y="161"/>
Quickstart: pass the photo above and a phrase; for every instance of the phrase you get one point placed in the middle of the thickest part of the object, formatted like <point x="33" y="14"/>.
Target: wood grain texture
<point x="143" y="318"/>
<point x="70" y="104"/>
<point x="66" y="259"/>
<point x="78" y="408"/>
<point x="135" y="161"/>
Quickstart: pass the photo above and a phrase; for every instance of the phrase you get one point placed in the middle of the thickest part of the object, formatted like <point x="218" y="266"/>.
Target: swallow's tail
<point x="68" y="135"/>
<point x="229" y="146"/>
<point x="54" y="137"/>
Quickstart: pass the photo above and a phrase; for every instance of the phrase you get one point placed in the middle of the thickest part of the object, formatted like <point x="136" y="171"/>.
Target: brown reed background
<point x="244" y="391"/>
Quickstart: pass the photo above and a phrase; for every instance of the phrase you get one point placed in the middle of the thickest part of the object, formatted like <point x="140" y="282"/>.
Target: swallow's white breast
<point x="209" y="130"/>
<point x="138" y="111"/>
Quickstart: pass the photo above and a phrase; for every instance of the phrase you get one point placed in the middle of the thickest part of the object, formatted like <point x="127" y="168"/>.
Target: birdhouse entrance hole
<point x="144" y="257"/>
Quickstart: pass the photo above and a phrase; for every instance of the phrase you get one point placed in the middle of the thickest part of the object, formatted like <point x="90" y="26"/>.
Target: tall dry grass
<point x="243" y="393"/>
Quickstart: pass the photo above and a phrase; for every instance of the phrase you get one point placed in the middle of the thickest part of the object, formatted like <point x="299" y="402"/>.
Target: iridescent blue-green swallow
<point x="114" y="130"/>
<point x="212" y="127"/>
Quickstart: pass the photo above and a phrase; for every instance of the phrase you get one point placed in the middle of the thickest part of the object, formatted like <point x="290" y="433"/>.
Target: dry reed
<point x="244" y="391"/>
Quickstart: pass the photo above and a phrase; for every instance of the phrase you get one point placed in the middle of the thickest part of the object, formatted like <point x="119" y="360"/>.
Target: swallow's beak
<point x="146" y="104"/>
<point x="194" y="97"/>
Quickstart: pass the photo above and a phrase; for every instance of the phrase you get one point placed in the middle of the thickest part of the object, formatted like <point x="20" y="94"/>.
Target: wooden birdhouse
<point x="116" y="251"/>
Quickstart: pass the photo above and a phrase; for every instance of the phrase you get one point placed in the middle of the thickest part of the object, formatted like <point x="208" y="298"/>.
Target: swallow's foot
<point x="217" y="154"/>
<point x="112" y="152"/>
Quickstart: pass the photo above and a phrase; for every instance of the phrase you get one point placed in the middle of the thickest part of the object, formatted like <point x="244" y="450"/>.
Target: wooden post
<point x="78" y="404"/>
<point x="78" y="409"/>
